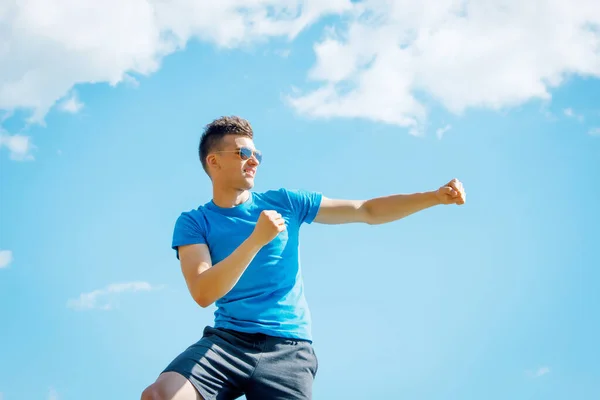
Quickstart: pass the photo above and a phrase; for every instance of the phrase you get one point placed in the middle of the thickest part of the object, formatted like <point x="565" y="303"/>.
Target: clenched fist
<point x="452" y="193"/>
<point x="269" y="224"/>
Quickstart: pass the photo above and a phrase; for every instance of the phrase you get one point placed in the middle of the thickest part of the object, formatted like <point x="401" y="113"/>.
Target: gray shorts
<point x="226" y="364"/>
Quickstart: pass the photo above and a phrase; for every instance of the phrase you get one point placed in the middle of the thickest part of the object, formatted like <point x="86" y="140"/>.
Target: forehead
<point x="234" y="142"/>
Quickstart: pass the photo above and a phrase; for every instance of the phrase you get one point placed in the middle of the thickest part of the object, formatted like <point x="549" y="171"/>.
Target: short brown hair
<point x="219" y="128"/>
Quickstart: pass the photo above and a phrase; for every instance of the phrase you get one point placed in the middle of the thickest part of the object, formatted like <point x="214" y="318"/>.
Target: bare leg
<point x="171" y="386"/>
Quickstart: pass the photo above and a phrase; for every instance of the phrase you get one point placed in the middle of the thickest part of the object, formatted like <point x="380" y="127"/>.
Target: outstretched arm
<point x="381" y="210"/>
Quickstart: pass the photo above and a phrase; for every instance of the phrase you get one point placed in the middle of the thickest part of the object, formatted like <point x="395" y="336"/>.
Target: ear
<point x="212" y="161"/>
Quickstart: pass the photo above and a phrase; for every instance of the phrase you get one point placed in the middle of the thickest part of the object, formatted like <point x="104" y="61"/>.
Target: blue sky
<point x="101" y="118"/>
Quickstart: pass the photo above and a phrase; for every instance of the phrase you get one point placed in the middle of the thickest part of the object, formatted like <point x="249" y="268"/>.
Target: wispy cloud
<point x="71" y="104"/>
<point x="541" y="371"/>
<point x="52" y="395"/>
<point x="283" y="53"/>
<point x="572" y="114"/>
<point x="594" y="131"/>
<point x="19" y="146"/>
<point x="107" y="297"/>
<point x="6" y="257"/>
<point x="440" y="132"/>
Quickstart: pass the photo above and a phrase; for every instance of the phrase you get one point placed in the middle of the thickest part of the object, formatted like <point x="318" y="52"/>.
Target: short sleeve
<point x="187" y="231"/>
<point x="305" y="204"/>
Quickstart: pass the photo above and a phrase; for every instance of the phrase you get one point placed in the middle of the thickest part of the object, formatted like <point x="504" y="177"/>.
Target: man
<point x="240" y="251"/>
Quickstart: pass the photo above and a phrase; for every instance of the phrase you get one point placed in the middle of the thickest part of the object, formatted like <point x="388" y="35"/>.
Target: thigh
<point x="171" y="386"/>
<point x="286" y="371"/>
<point x="217" y="369"/>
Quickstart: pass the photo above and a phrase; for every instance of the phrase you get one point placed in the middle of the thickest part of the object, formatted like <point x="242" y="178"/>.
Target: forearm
<point x="217" y="281"/>
<point x="386" y="209"/>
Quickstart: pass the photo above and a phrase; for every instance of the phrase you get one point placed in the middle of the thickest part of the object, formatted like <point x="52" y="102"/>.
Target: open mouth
<point x="249" y="172"/>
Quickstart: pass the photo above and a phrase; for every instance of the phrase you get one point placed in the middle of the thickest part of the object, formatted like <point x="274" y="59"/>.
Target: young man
<point x="240" y="251"/>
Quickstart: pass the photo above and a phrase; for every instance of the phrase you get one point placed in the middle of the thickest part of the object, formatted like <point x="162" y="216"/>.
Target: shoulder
<point x="304" y="203"/>
<point x="287" y="196"/>
<point x="286" y="193"/>
<point x="190" y="228"/>
<point x="193" y="218"/>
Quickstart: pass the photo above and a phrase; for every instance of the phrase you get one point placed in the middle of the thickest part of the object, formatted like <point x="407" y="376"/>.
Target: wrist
<point x="433" y="198"/>
<point x="254" y="245"/>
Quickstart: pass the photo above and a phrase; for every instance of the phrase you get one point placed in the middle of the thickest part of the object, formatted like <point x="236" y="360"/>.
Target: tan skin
<point x="232" y="180"/>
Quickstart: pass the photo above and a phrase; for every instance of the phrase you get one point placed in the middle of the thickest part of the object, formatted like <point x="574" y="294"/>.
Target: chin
<point x="248" y="183"/>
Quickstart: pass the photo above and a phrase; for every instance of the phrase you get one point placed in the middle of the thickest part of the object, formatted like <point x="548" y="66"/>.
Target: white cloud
<point x="594" y="132"/>
<point x="383" y="60"/>
<point x="48" y="46"/>
<point x="391" y="56"/>
<point x="6" y="257"/>
<point x="106" y="298"/>
<point x="19" y="146"/>
<point x="572" y="114"/>
<point x="440" y="132"/>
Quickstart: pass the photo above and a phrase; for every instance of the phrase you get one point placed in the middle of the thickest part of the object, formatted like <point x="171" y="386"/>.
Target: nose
<point x="253" y="160"/>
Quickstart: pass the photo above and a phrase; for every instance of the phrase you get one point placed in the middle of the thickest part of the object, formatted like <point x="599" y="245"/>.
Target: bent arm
<point x="378" y="210"/>
<point x="206" y="282"/>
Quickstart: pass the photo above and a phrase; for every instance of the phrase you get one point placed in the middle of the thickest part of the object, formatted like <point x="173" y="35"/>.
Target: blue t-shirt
<point x="269" y="296"/>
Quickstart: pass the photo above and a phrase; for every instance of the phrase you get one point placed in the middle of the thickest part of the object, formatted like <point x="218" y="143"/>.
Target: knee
<point x="152" y="392"/>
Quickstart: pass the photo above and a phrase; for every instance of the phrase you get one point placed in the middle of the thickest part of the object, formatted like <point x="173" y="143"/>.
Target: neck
<point x="228" y="197"/>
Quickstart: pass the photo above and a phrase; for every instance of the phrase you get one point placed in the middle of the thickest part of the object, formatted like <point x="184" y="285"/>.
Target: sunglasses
<point x="245" y="153"/>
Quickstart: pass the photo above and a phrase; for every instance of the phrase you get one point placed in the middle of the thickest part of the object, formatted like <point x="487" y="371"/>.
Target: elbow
<point x="203" y="301"/>
<point x="198" y="291"/>
<point x="201" y="298"/>
<point x="368" y="218"/>
<point x="205" y="304"/>
<point x="367" y="215"/>
<point x="371" y="220"/>
<point x="371" y="215"/>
